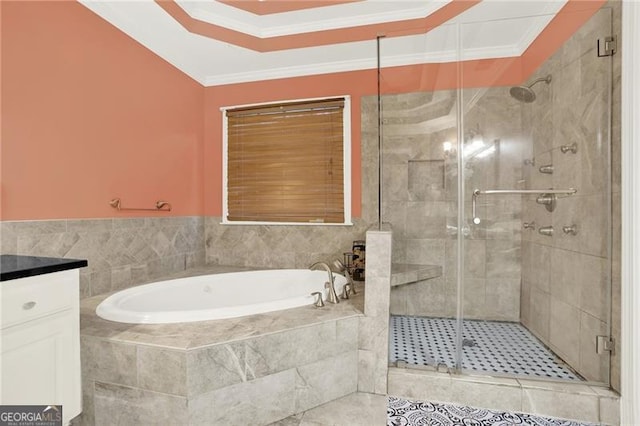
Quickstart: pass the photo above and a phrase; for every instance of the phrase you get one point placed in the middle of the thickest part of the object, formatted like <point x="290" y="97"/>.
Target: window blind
<point x="285" y="162"/>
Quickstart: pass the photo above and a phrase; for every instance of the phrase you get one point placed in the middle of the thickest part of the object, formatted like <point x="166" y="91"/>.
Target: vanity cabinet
<point x="40" y="341"/>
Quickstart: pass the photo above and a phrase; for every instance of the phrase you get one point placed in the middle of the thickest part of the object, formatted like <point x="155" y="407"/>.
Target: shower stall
<point x="495" y="173"/>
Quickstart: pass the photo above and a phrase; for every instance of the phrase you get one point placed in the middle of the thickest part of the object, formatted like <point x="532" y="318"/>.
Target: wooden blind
<point x="285" y="162"/>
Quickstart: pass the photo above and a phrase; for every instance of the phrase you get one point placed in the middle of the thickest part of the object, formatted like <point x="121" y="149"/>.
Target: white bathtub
<point x="217" y="296"/>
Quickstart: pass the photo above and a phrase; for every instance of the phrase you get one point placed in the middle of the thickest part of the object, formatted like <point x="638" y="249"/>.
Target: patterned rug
<point x="401" y="412"/>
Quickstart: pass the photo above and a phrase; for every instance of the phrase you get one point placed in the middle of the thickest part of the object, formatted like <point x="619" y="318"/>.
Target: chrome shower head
<point x="525" y="93"/>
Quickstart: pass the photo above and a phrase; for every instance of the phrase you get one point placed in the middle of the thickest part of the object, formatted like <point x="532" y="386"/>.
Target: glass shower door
<point x="536" y="189"/>
<point x="419" y="191"/>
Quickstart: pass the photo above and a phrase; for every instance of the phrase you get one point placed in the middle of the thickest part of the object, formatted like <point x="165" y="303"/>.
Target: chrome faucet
<point x="341" y="267"/>
<point x="333" y="297"/>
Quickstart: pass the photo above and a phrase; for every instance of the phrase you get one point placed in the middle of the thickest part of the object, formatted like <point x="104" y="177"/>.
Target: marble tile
<point x="421" y="385"/>
<point x="564" y="331"/>
<point x="593" y="366"/>
<point x="366" y="370"/>
<point x="503" y="259"/>
<point x="258" y="402"/>
<point x="610" y="411"/>
<point x="495" y="396"/>
<point x="425" y="251"/>
<point x="540" y="312"/>
<point x="326" y="380"/>
<point x="162" y="370"/>
<point x="373" y="333"/>
<point x="565" y="269"/>
<point x="114" y="248"/>
<point x="281" y="351"/>
<point x="122" y="405"/>
<point x="525" y="304"/>
<point x="425" y="298"/>
<point x="503" y="299"/>
<point x="107" y="361"/>
<point x="355" y="409"/>
<point x="558" y="404"/>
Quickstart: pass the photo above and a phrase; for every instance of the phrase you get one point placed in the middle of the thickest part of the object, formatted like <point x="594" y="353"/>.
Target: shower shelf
<point x="406" y="273"/>
<point x="542" y="192"/>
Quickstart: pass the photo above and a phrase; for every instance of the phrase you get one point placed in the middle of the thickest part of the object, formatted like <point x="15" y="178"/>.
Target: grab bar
<point x="476" y="192"/>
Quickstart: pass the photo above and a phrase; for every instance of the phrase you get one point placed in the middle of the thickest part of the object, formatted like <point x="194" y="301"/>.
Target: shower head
<point x="525" y="93"/>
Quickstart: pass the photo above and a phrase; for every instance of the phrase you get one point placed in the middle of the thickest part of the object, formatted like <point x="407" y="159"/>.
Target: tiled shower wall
<point x="565" y="282"/>
<point x="121" y="252"/>
<point x="565" y="296"/>
<point x="419" y="199"/>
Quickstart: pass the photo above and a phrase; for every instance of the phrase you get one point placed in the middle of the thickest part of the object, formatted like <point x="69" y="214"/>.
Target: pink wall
<point x="89" y="114"/>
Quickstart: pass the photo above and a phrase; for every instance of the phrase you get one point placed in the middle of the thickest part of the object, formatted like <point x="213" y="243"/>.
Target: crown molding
<point x="305" y="20"/>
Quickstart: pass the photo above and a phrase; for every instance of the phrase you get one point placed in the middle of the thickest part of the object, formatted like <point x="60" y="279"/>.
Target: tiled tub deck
<point x="251" y="370"/>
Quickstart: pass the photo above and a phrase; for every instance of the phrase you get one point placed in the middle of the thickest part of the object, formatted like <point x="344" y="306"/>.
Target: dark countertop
<point x="17" y="266"/>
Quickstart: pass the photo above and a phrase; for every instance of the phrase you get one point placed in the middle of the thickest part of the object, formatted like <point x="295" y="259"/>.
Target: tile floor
<point x="363" y="409"/>
<point x="491" y="346"/>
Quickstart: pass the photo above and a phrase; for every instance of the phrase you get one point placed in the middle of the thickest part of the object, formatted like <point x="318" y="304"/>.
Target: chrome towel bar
<point x="162" y="206"/>
<point x="476" y="192"/>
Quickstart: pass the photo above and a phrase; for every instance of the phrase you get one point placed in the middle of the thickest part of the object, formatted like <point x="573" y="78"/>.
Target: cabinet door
<point x="38" y="363"/>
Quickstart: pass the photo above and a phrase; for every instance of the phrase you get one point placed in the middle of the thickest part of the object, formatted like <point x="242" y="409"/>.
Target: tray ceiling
<point x="231" y="41"/>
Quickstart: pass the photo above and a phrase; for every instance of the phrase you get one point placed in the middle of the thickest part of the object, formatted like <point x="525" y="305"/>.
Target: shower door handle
<point x="476" y="192"/>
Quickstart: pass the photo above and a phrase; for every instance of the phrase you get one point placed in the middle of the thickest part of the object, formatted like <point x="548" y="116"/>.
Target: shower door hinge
<point x="604" y="344"/>
<point x="607" y="46"/>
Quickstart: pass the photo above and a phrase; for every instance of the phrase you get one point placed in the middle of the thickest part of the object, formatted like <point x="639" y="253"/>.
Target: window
<point x="288" y="162"/>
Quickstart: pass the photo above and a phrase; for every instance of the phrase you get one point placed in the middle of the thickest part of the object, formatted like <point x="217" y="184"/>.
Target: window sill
<point x="286" y="223"/>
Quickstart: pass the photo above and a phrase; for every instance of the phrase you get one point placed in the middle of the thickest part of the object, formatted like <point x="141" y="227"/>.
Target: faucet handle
<point x="318" y="303"/>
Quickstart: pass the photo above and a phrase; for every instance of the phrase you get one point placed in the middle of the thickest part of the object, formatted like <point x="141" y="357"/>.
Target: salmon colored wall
<point x="89" y="114"/>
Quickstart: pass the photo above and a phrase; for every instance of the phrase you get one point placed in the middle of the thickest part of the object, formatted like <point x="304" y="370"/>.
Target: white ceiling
<point x="489" y="29"/>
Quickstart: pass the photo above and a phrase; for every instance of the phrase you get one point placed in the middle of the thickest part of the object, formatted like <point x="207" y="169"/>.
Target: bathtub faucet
<point x="333" y="297"/>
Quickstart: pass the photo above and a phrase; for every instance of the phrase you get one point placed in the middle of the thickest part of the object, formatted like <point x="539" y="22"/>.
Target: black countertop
<point x="16" y="266"/>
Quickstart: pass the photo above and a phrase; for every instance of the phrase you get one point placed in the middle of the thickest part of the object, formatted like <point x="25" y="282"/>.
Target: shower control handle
<point x="570" y="230"/>
<point x="529" y="225"/>
<point x="548" y="200"/>
<point x="573" y="148"/>
<point x="547" y="169"/>
<point x="546" y="231"/>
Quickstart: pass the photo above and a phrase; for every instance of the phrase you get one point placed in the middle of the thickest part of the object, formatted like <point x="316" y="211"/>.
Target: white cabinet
<point x="40" y="342"/>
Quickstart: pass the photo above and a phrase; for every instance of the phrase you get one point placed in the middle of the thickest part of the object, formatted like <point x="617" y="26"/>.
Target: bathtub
<point x="216" y="296"/>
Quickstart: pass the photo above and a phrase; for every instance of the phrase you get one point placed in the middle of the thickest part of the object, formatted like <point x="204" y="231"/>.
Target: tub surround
<point x="256" y="369"/>
<point x="120" y="252"/>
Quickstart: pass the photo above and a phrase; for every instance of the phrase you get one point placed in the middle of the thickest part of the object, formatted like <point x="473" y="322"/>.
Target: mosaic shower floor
<point x="491" y="346"/>
<point x="401" y="412"/>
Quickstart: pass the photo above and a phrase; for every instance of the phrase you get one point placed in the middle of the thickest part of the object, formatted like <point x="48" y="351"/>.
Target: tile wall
<point x="419" y="200"/>
<point x="276" y="246"/>
<point x="121" y="252"/>
<point x="557" y="286"/>
<point x="566" y="293"/>
<point x="248" y="377"/>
